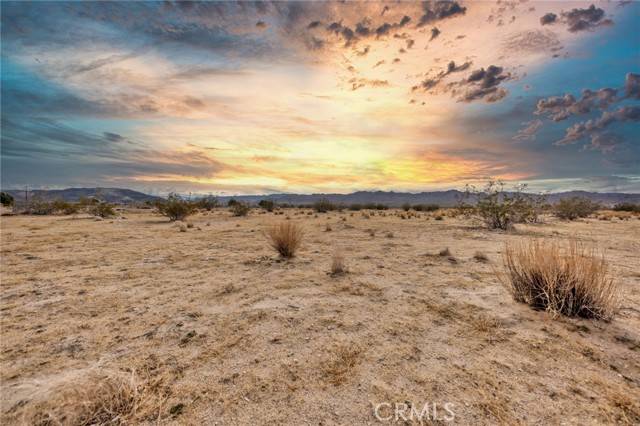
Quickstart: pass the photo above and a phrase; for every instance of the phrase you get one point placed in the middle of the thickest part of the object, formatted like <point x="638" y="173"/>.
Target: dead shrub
<point x="99" y="398"/>
<point x="568" y="279"/>
<point x="285" y="238"/>
<point x="342" y="362"/>
<point x="337" y="264"/>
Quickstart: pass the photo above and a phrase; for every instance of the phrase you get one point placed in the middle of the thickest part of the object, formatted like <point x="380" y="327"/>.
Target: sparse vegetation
<point x="239" y="209"/>
<point x="38" y="206"/>
<point x="337" y="264"/>
<point x="285" y="238"/>
<point x="175" y="207"/>
<point x="500" y="209"/>
<point x="627" y="207"/>
<point x="102" y="210"/>
<point x="100" y="398"/>
<point x="323" y="206"/>
<point x="267" y="205"/>
<point x="6" y="199"/>
<point x="574" y="208"/>
<point x="567" y="279"/>
<point x="207" y="203"/>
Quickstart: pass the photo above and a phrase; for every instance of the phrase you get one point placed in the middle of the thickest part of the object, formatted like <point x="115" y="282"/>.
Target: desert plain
<point x="210" y="326"/>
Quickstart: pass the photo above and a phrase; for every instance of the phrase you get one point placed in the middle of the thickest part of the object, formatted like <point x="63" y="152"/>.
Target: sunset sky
<point x="261" y="97"/>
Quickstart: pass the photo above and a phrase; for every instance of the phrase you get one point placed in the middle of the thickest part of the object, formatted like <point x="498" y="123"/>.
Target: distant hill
<point x="442" y="198"/>
<point x="111" y="195"/>
<point x="395" y="199"/>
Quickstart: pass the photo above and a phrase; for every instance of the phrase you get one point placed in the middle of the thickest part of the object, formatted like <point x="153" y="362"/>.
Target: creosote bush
<point x="102" y="209"/>
<point x="240" y="209"/>
<point x="175" y="208"/>
<point x="324" y="205"/>
<point x="267" y="205"/>
<point x="574" y="208"/>
<point x="568" y="279"/>
<point x="6" y="199"/>
<point x="337" y="264"/>
<point x="500" y="209"/>
<point x="285" y="238"/>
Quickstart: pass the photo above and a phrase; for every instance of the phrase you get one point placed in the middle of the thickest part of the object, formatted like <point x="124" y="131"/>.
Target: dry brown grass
<point x="337" y="264"/>
<point x="562" y="278"/>
<point x="285" y="238"/>
<point x="341" y="363"/>
<point x="98" y="398"/>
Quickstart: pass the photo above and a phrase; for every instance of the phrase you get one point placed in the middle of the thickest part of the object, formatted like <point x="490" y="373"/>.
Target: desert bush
<point x="240" y="209"/>
<point x="406" y="207"/>
<point x="500" y="209"/>
<point x="568" y="279"/>
<point x="268" y="205"/>
<point x="285" y="238"/>
<point x="175" y="208"/>
<point x="355" y="207"/>
<point x="38" y="206"/>
<point x="65" y="207"/>
<point x="426" y="207"/>
<point x="207" y="203"/>
<point x="102" y="209"/>
<point x="627" y="207"/>
<point x="323" y="205"/>
<point x="480" y="257"/>
<point x="574" y="208"/>
<point x="6" y="199"/>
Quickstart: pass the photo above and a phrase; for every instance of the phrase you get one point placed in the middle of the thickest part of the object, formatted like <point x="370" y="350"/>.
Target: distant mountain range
<point x="111" y="195"/>
<point x="441" y="198"/>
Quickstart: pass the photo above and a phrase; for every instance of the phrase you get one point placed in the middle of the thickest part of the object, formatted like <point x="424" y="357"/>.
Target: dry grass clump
<point x="285" y="238"/>
<point x="568" y="279"/>
<point x="480" y="257"/>
<point x="337" y="264"/>
<point x="99" y="398"/>
<point x="342" y="362"/>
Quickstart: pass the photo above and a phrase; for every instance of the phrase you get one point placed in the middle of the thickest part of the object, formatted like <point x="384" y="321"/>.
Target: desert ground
<point x="209" y="326"/>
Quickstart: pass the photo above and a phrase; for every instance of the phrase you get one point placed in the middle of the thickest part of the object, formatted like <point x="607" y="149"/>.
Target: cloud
<point x="357" y="83"/>
<point x="591" y="127"/>
<point x="483" y="84"/>
<point x="604" y="142"/>
<point x="548" y="18"/>
<point x="585" y="19"/>
<point x="559" y="108"/>
<point x="441" y="9"/>
<point x="529" y="132"/>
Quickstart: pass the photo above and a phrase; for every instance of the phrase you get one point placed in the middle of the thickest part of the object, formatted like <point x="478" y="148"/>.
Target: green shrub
<point x="323" y="205"/>
<point x="574" y="208"/>
<point x="6" y="199"/>
<point x="627" y="207"/>
<point x="102" y="209"/>
<point x="500" y="209"/>
<point x="426" y="207"/>
<point x="268" y="205"/>
<point x="175" y="208"/>
<point x="240" y="209"/>
<point x="38" y="206"/>
<point x="65" y="207"/>
<point x="207" y="203"/>
<point x="406" y="207"/>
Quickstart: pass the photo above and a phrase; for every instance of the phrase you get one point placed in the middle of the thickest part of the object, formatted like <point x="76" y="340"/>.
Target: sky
<point x="309" y="97"/>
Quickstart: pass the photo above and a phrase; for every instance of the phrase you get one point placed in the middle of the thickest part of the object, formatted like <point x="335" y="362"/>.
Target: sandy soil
<point x="233" y="335"/>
